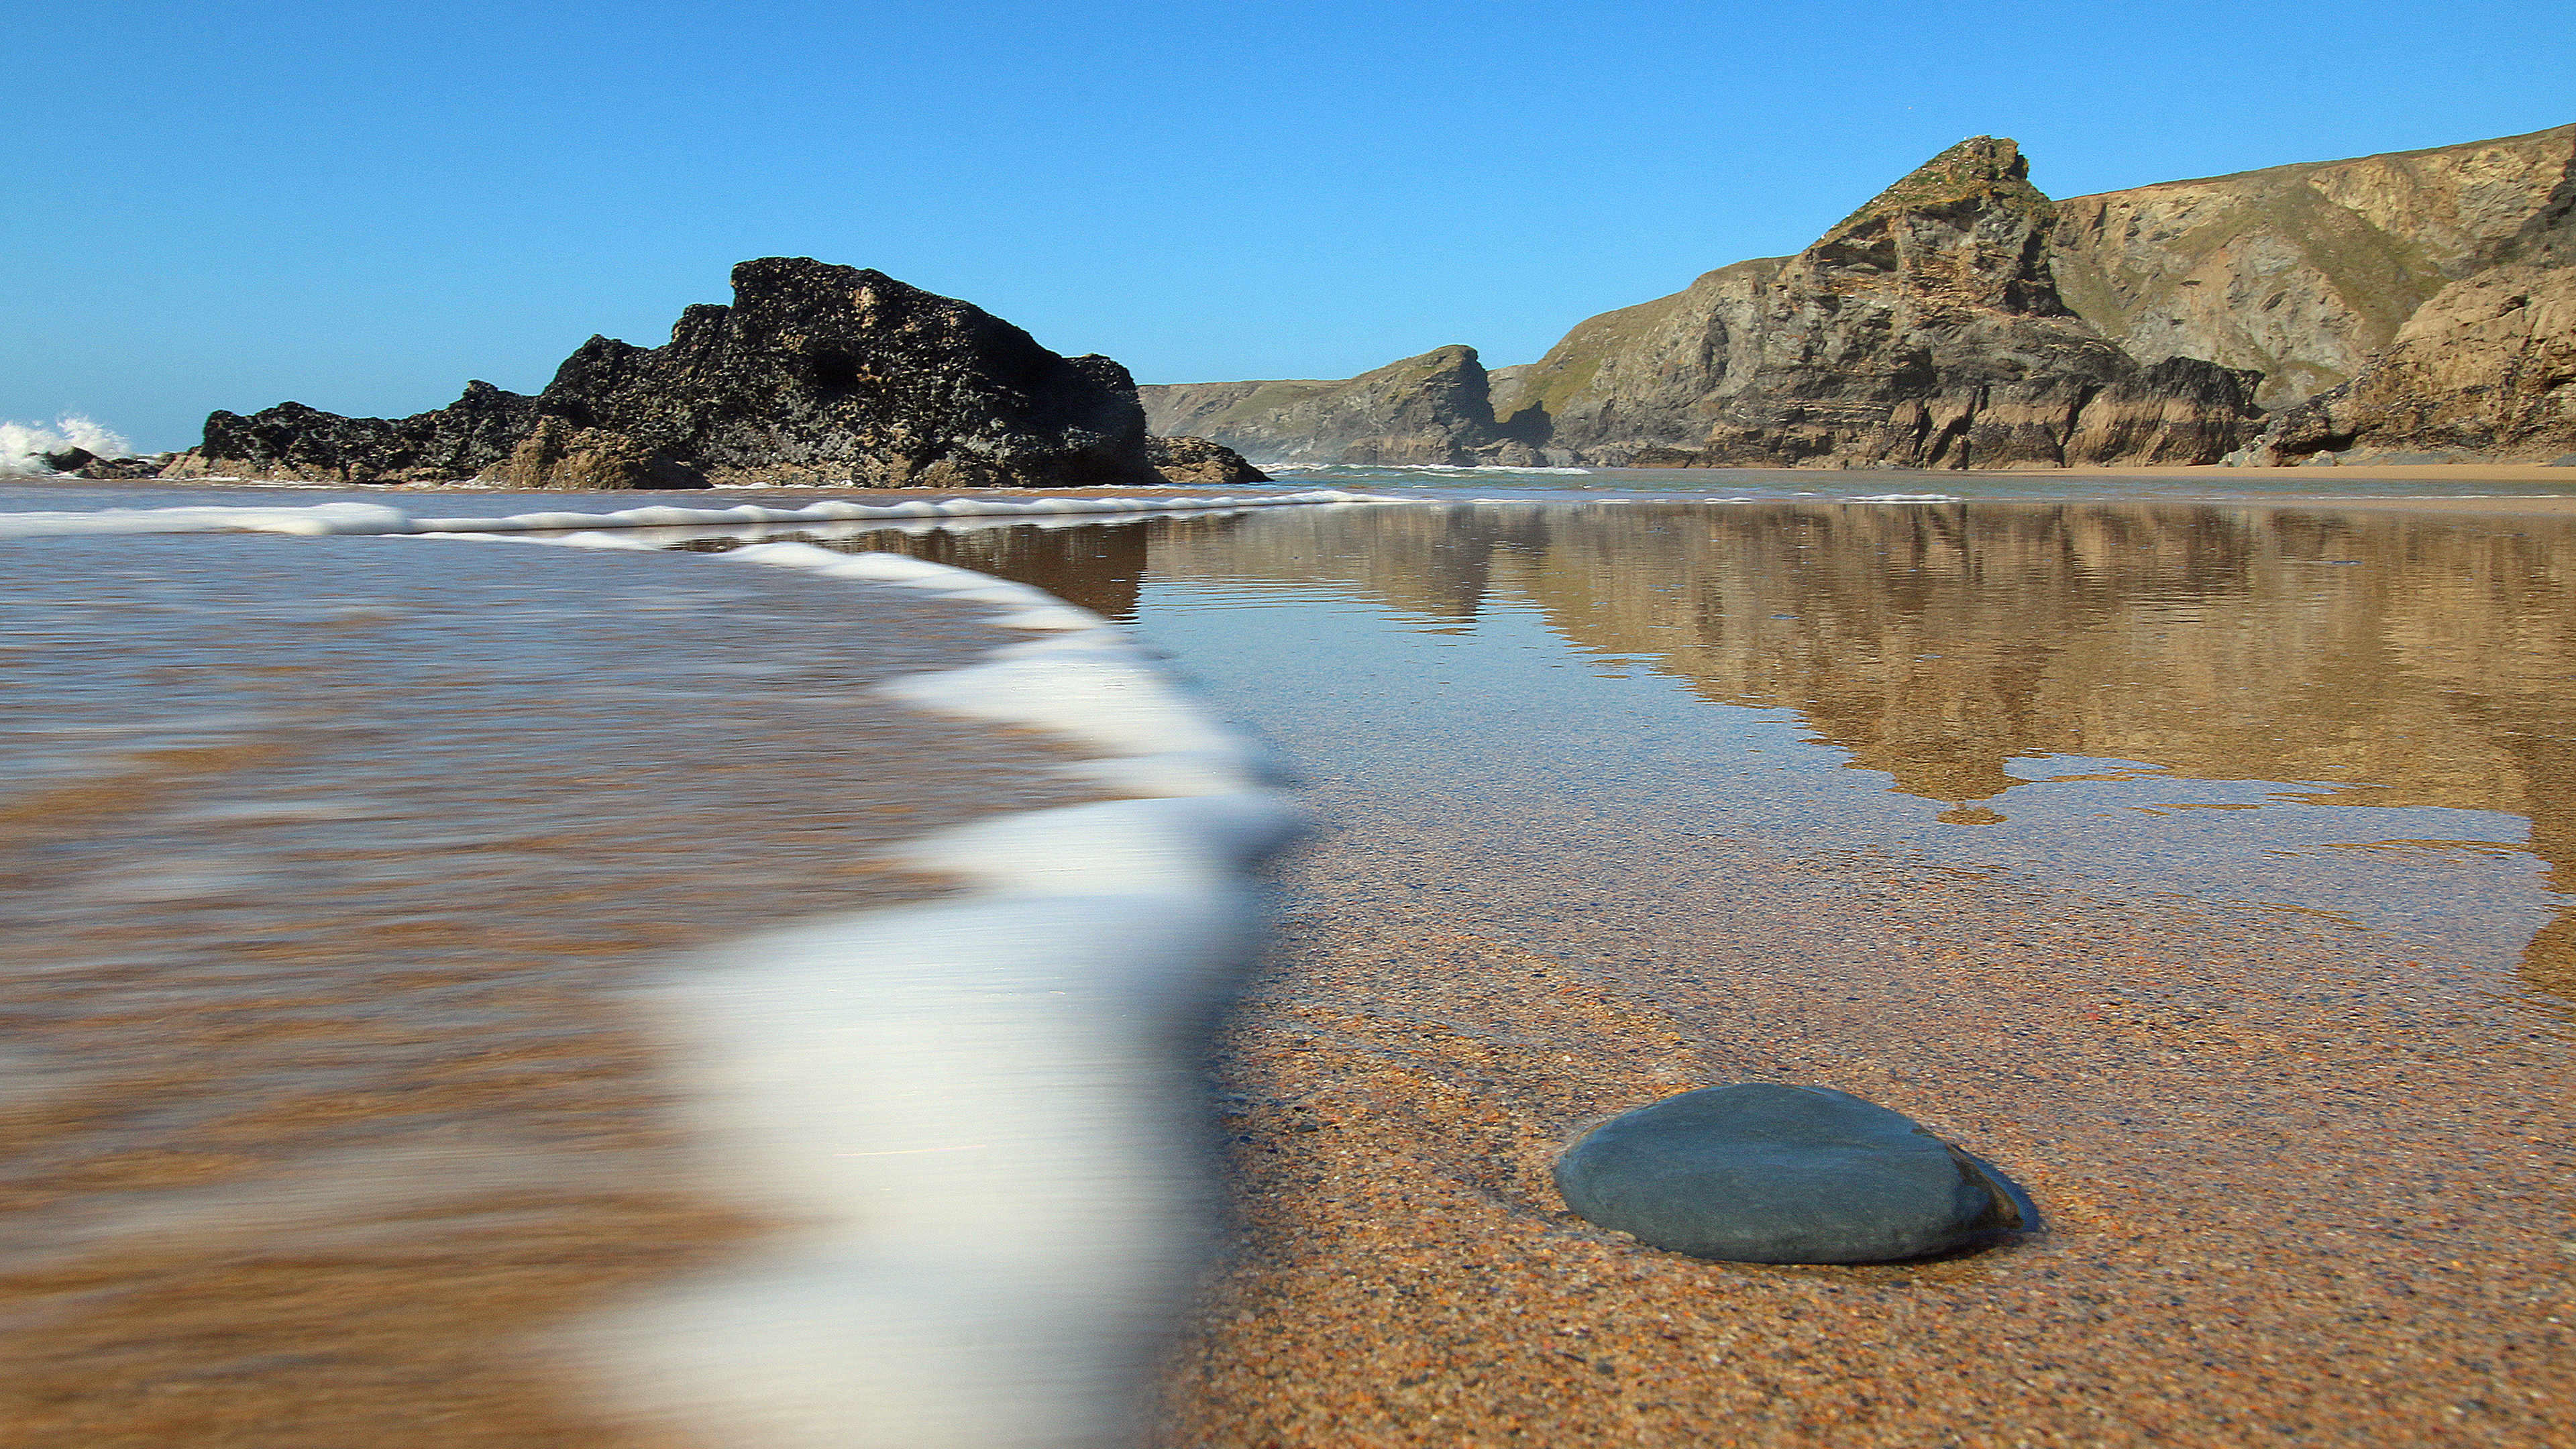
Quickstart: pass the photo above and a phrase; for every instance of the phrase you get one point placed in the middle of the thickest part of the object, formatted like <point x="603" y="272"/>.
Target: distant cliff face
<point x="1923" y="331"/>
<point x="1961" y="319"/>
<point x="2299" y="272"/>
<point x="1430" y="409"/>
<point x="815" y="374"/>
<point x="2486" y="369"/>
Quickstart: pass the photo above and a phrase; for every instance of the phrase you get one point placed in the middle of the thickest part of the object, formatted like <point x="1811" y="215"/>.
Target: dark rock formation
<point x="1431" y="409"/>
<point x="1764" y="1173"/>
<point x="561" y="454"/>
<point x="2300" y="271"/>
<point x="815" y="374"/>
<point x="2485" y="371"/>
<point x="1924" y="331"/>
<point x="82" y="463"/>
<point x="291" y="440"/>
<point x="1197" y="460"/>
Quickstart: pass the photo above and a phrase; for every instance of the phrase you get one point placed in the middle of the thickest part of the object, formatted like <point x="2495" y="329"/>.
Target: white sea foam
<point x="977" y="1118"/>
<point x="326" y="518"/>
<point x="1434" y="468"/>
<point x="978" y="1113"/>
<point x="366" y="518"/>
<point x="1906" y="498"/>
<point x="23" y="446"/>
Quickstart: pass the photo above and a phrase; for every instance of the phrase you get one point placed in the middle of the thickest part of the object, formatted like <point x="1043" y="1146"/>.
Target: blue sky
<point x="360" y="207"/>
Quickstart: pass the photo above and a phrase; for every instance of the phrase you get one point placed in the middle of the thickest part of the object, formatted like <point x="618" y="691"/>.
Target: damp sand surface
<point x="2294" y="1098"/>
<point x="2293" y="1197"/>
<point x="2198" y="864"/>
<point x="331" y="864"/>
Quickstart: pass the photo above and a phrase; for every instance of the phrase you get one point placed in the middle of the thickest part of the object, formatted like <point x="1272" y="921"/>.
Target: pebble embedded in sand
<point x="1762" y="1172"/>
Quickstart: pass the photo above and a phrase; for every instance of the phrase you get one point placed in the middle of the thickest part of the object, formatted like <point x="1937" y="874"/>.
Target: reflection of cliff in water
<point x="1098" y="566"/>
<point x="2405" y="660"/>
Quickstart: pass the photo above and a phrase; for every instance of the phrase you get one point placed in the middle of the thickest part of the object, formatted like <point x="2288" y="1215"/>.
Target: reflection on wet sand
<point x="2368" y="658"/>
<point x="1937" y="643"/>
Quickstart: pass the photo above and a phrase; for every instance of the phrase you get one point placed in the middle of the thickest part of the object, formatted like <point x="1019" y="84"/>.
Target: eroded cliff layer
<point x="1923" y="331"/>
<point x="2485" y="370"/>
<point x="2300" y="272"/>
<point x="815" y="374"/>
<point x="1942" y="325"/>
<point x="1433" y="409"/>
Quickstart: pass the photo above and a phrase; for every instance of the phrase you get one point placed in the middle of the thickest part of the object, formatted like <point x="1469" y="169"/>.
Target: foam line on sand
<point x="375" y="518"/>
<point x="977" y="1119"/>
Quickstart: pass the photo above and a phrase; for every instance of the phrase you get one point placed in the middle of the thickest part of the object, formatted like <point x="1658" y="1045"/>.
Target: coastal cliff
<point x="2484" y="370"/>
<point x="1922" y="331"/>
<point x="815" y="374"/>
<point x="2299" y="272"/>
<point x="1433" y="409"/>
<point x="1963" y="319"/>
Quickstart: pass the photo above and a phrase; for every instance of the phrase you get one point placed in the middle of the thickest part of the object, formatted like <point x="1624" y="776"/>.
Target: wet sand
<point x="2307" y="1180"/>
<point x="2323" y="477"/>
<point x="2295" y="1196"/>
<point x="2300" y="1190"/>
<point x="331" y="862"/>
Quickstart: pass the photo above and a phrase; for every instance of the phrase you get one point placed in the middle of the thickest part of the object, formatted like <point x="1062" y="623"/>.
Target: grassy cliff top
<point x="1978" y="168"/>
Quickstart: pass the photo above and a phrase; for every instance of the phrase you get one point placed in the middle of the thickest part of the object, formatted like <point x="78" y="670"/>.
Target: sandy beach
<point x="2322" y="478"/>
<point x="2304" y="1176"/>
<point x="2293" y="1198"/>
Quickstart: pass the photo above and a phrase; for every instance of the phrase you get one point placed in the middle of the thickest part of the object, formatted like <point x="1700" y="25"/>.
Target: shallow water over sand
<point x="2357" y="714"/>
<point x="2200" y="865"/>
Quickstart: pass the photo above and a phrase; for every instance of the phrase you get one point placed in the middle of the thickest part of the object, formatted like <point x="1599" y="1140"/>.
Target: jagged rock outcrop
<point x="291" y="440"/>
<point x="2301" y="271"/>
<point x="1923" y="331"/>
<point x="2484" y="371"/>
<point x="77" y="462"/>
<point x="815" y="374"/>
<point x="1431" y="409"/>
<point x="1199" y="461"/>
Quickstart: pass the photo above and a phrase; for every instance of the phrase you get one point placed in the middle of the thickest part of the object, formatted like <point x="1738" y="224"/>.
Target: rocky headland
<point x="1434" y="409"/>
<point x="1963" y="319"/>
<point x="2486" y="368"/>
<point x="816" y="374"/>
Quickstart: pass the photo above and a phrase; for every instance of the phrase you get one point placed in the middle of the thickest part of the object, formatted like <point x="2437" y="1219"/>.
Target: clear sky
<point x="361" y="206"/>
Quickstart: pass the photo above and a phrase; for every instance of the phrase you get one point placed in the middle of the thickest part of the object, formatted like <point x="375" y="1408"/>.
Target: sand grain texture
<point x="2292" y="1199"/>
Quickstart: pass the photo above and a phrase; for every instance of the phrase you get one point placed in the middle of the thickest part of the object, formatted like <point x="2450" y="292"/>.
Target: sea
<point x="384" y="844"/>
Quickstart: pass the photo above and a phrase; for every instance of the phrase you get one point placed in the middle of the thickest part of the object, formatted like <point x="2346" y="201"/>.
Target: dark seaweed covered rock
<point x="291" y="440"/>
<point x="815" y="374"/>
<point x="1761" y="1172"/>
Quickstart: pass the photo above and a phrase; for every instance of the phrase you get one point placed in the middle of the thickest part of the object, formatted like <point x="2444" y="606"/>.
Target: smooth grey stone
<point x="1763" y="1172"/>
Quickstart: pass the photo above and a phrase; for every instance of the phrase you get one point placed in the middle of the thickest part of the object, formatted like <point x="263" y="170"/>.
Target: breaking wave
<point x="23" y="446"/>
